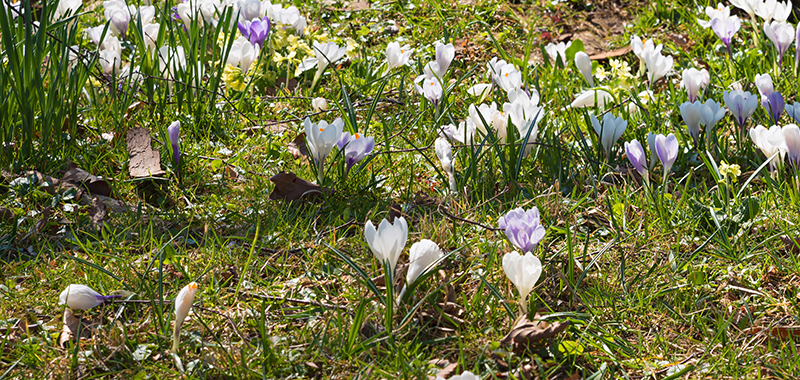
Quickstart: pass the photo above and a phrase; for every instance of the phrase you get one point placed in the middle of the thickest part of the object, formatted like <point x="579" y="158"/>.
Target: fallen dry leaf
<point x="298" y="146"/>
<point x="70" y="329"/>
<point x="448" y="371"/>
<point x="82" y="178"/>
<point x="98" y="212"/>
<point x="144" y="161"/>
<point x="527" y="334"/>
<point x="290" y="188"/>
<point x="610" y="54"/>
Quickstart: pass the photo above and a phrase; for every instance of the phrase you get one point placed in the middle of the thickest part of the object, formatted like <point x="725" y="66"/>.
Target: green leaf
<point x="577" y="45"/>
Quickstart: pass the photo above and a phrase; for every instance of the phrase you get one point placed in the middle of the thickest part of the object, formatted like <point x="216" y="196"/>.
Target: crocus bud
<point x="174" y="132"/>
<point x="422" y="254"/>
<point x="319" y="104"/>
<point x="791" y="133"/>
<point x="584" y="64"/>
<point x="635" y="153"/>
<point x="387" y="242"/>
<point x="667" y="150"/>
<point x="81" y="297"/>
<point x="444" y="56"/>
<point x="523" y="271"/>
<point x="183" y="304"/>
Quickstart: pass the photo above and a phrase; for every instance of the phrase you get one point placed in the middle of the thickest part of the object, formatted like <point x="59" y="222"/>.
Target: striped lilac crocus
<point x="256" y="31"/>
<point x="725" y="28"/>
<point x="523" y="228"/>
<point x="355" y="147"/>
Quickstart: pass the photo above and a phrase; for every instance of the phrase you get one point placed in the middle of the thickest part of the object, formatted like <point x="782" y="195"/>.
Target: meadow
<point x="558" y="189"/>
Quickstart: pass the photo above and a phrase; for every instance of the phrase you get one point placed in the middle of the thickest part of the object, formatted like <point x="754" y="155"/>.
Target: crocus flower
<point x="782" y="35"/>
<point x="256" y="31"/>
<point x="693" y="81"/>
<point x="66" y="7"/>
<point x="510" y="78"/>
<point x="523" y="228"/>
<point x="117" y="12"/>
<point x="710" y="114"/>
<point x="151" y="36"/>
<point x="525" y="114"/>
<point x="748" y="6"/>
<point x="771" y="10"/>
<point x="667" y="150"/>
<point x="657" y="64"/>
<point x="319" y="104"/>
<point x="584" y="65"/>
<point x="183" y="304"/>
<point x="387" y="242"/>
<point x="243" y="53"/>
<point x="110" y="62"/>
<point x="488" y="116"/>
<point x="466" y="375"/>
<point x="324" y="53"/>
<point x="725" y="28"/>
<point x="742" y="104"/>
<point x="421" y="255"/>
<point x="174" y="131"/>
<point x="523" y="271"/>
<point x="635" y="153"/>
<point x="639" y="47"/>
<point x="719" y="12"/>
<point x="495" y="67"/>
<point x="444" y="56"/>
<point x="445" y="153"/>
<point x="770" y="141"/>
<point x="464" y="133"/>
<point x="611" y="130"/>
<point x="321" y="139"/>
<point x="691" y="117"/>
<point x="592" y="97"/>
<point x="775" y="106"/>
<point x="558" y="50"/>
<point x="765" y="87"/>
<point x="355" y="147"/>
<point x="397" y="55"/>
<point x="797" y="51"/>
<point x="791" y="135"/>
<point x="432" y="90"/>
<point x="81" y="297"/>
<point x="794" y="111"/>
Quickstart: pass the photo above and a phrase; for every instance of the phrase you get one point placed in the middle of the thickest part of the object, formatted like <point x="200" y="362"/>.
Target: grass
<point x="697" y="280"/>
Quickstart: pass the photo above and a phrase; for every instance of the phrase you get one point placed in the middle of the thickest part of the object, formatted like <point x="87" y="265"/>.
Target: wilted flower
<point x="81" y="297"/>
<point x="320" y="140"/>
<point x="523" y="228"/>
<point x="611" y="130"/>
<point x="256" y="31"/>
<point x="667" y="150"/>
<point x="319" y="104"/>
<point x="523" y="271"/>
<point x="355" y="148"/>
<point x="782" y="35"/>
<point x="742" y="104"/>
<point x="584" y="65"/>
<point x="174" y="131"/>
<point x="183" y="304"/>
<point x="397" y="55"/>
<point x="691" y="113"/>
<point x="693" y="81"/>
<point x="445" y="153"/>
<point x="592" y="97"/>
<point x="388" y="241"/>
<point x="725" y="28"/>
<point x="558" y="50"/>
<point x="635" y="153"/>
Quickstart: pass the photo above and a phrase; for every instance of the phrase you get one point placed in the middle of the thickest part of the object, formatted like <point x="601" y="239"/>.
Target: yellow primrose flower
<point x="601" y="74"/>
<point x="233" y="78"/>
<point x="726" y="170"/>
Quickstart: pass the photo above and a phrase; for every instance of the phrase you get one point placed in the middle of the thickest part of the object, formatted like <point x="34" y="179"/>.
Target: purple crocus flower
<point x="355" y="147"/>
<point x="635" y="153"/>
<point x="742" y="104"/>
<point x="775" y="106"/>
<point x="174" y="131"/>
<point x="523" y="228"/>
<point x="725" y="28"/>
<point x="667" y="150"/>
<point x="256" y="31"/>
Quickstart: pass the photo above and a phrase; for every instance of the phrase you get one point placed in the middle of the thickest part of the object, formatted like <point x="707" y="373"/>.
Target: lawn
<point x="403" y="189"/>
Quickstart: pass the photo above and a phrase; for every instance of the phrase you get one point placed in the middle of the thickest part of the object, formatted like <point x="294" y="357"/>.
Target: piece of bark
<point x="144" y="161"/>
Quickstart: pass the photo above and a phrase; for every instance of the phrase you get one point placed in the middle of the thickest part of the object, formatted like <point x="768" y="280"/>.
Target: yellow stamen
<point x="357" y="136"/>
<point x="506" y="74"/>
<point x="322" y="129"/>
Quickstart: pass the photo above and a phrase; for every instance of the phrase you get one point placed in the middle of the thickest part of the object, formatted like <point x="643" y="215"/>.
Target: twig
<point x="293" y="300"/>
<point x="230" y="320"/>
<point x="443" y="211"/>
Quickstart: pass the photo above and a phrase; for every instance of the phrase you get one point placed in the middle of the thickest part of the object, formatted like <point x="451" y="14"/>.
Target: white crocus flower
<point x="480" y="89"/>
<point x="420" y="256"/>
<point x="657" y="64"/>
<point x="488" y="116"/>
<point x="558" y="50"/>
<point x="748" y="6"/>
<point x="782" y="35"/>
<point x="151" y="36"/>
<point x="510" y="78"/>
<point x="319" y="104"/>
<point x="772" y="10"/>
<point x="525" y="114"/>
<point x="118" y="13"/>
<point x="320" y="140"/>
<point x="464" y="133"/>
<point x="397" y="55"/>
<point x="770" y="141"/>
<point x="388" y="241"/>
<point x="693" y="81"/>
<point x="590" y="98"/>
<point x="523" y="271"/>
<point x="183" y="304"/>
<point x="611" y="130"/>
<point x="243" y="54"/>
<point x="80" y="297"/>
<point x="445" y="153"/>
<point x="691" y="113"/>
<point x="444" y="56"/>
<point x="639" y="46"/>
<point x="791" y="135"/>
<point x="110" y="62"/>
<point x="720" y="11"/>
<point x="584" y="65"/>
<point x="324" y="53"/>
<point x="66" y="7"/>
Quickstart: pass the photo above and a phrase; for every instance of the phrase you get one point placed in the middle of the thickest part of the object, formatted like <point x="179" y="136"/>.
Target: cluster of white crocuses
<point x="322" y="137"/>
<point x="82" y="297"/>
<point x="524" y="230"/>
<point x="430" y="83"/>
<point x="118" y="17"/>
<point x="387" y="243"/>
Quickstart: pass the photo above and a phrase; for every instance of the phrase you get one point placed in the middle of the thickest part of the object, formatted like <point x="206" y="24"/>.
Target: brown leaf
<point x="84" y="179"/>
<point x="395" y="211"/>
<point x="290" y="188"/>
<point x="448" y="371"/>
<point x="70" y="329"/>
<point x="7" y="215"/>
<point x="144" y="161"/>
<point x="611" y="54"/>
<point x="527" y="334"/>
<point x="42" y="223"/>
<point x="298" y="146"/>
<point x="790" y="244"/>
<point x="358" y="5"/>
